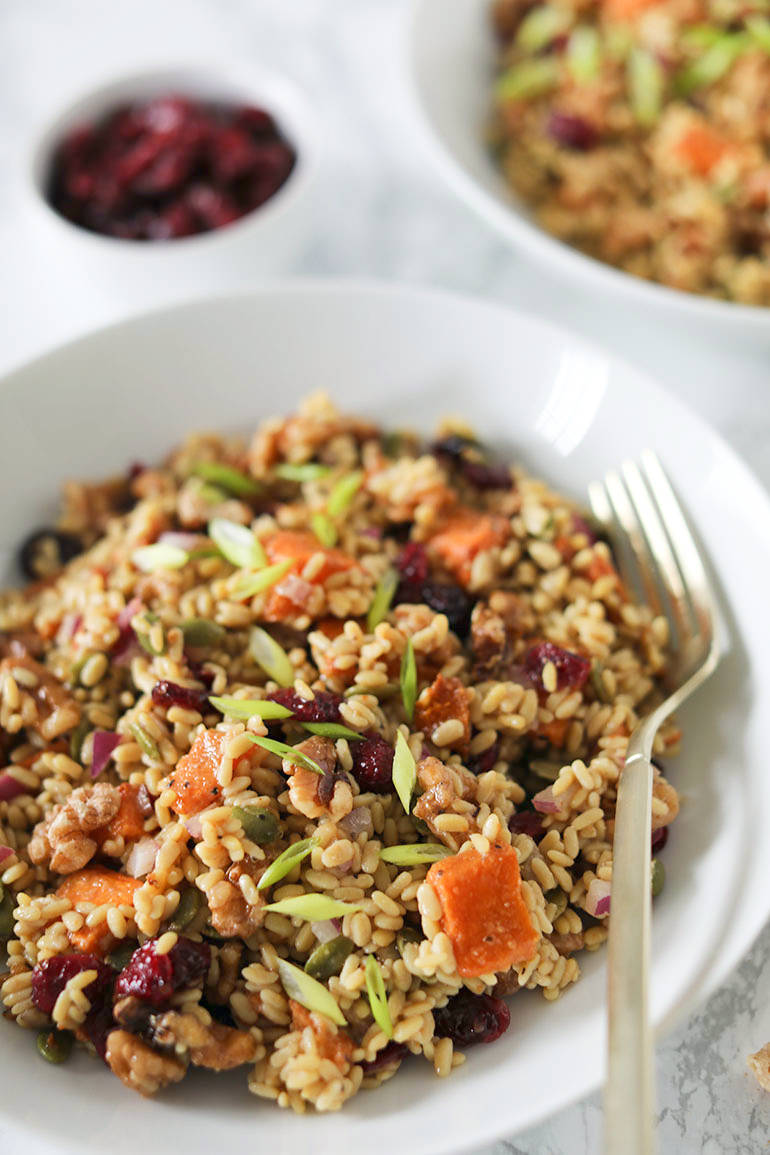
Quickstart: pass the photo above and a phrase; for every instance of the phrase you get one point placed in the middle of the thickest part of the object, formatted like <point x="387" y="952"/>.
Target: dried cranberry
<point x="484" y="476"/>
<point x="449" y="599"/>
<point x="527" y="822"/>
<point x="154" y="977"/>
<point x="659" y="839"/>
<point x="484" y="762"/>
<point x="167" y="693"/>
<point x="469" y="457"/>
<point x="571" y="669"/>
<point x="50" y="977"/>
<point x="373" y="763"/>
<point x="470" y="1019"/>
<point x="580" y="525"/>
<point x="413" y="563"/>
<point x="390" y="1054"/>
<point x="571" y="131"/>
<point x="324" y="707"/>
<point x="200" y="673"/>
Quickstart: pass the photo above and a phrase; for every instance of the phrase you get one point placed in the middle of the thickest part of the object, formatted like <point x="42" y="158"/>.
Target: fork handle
<point x="629" y="1099"/>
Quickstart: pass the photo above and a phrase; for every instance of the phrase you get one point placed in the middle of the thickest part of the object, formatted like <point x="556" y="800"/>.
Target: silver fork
<point x="637" y="505"/>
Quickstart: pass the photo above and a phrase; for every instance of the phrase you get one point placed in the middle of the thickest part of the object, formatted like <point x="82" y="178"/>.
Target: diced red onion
<point x="325" y="931"/>
<point x="193" y="825"/>
<point x="598" y="898"/>
<point x="70" y="624"/>
<point x="141" y="860"/>
<point x="358" y="821"/>
<point x="374" y="531"/>
<point x="296" y="590"/>
<point x="126" y="616"/>
<point x="5" y="852"/>
<point x="185" y="541"/>
<point x="545" y="802"/>
<point x="10" y="787"/>
<point x="105" y="742"/>
<point x="343" y="868"/>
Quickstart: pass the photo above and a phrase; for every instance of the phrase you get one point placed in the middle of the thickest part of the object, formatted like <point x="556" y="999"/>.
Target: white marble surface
<point x="381" y="212"/>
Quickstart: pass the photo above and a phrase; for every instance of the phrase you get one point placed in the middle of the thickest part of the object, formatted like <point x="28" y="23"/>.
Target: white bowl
<point x="450" y="55"/>
<point x="264" y="241"/>
<point x="569" y="411"/>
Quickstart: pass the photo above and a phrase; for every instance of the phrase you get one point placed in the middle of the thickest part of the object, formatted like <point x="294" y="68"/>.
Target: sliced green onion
<point x="383" y="596"/>
<point x="758" y="28"/>
<point x="237" y="543"/>
<point x="713" y="64"/>
<point x="285" y="862"/>
<point x="228" y="478"/>
<point x="332" y="730"/>
<point x="404" y="772"/>
<point x="212" y="494"/>
<point x="618" y="41"/>
<point x="148" y="745"/>
<point x="250" y="708"/>
<point x="700" y="36"/>
<point x="378" y="997"/>
<point x="309" y="471"/>
<point x="313" y="907"/>
<point x="414" y="854"/>
<point x="271" y="657"/>
<point x="584" y="54"/>
<point x="527" y="79"/>
<point x="309" y="993"/>
<point x="408" y="679"/>
<point x="250" y="584"/>
<point x="199" y="632"/>
<point x="290" y="753"/>
<point x="646" y="80"/>
<point x="386" y="691"/>
<point x="540" y="26"/>
<point x="159" y="556"/>
<point x="341" y="496"/>
<point x="324" y="529"/>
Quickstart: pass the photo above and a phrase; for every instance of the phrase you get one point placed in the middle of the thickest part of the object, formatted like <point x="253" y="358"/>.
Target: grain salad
<point x="310" y="755"/>
<point x="637" y="130"/>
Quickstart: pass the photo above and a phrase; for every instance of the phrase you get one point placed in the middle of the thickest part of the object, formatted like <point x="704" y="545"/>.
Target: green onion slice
<point x="271" y="657"/>
<point x="237" y="543"/>
<point x="386" y="691"/>
<point x="383" y="596"/>
<point x="713" y="64"/>
<point x="408" y="679"/>
<point x="332" y="730"/>
<point x="758" y="28"/>
<point x="584" y="54"/>
<point x="646" y="80"/>
<point x="698" y="37"/>
<point x="285" y="862"/>
<point x="290" y="753"/>
<point x="250" y="708"/>
<point x="527" y="79"/>
<point x="313" y="907"/>
<point x="414" y="854"/>
<point x="324" y="529"/>
<point x="404" y="772"/>
<point x="212" y="494"/>
<point x="227" y="478"/>
<point x="378" y="997"/>
<point x="159" y="556"/>
<point x="250" y="584"/>
<point x="198" y="632"/>
<point x="308" y="471"/>
<point x="309" y="992"/>
<point x="344" y="491"/>
<point x="540" y="26"/>
<point x="148" y="744"/>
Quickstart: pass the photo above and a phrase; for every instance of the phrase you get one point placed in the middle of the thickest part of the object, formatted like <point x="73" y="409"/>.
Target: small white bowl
<point x="264" y="241"/>
<point x="449" y="56"/>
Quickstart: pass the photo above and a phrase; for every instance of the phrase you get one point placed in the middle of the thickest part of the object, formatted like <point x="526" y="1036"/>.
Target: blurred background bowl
<point x="266" y="240"/>
<point x="451" y="60"/>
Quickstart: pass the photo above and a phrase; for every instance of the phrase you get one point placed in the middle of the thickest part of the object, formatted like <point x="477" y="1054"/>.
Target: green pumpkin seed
<point x="200" y="632"/>
<point x="55" y="1046"/>
<point x="188" y="907"/>
<point x="559" y="899"/>
<point x="259" y="824"/>
<point x="121" y="956"/>
<point x="328" y="958"/>
<point x="7" y="906"/>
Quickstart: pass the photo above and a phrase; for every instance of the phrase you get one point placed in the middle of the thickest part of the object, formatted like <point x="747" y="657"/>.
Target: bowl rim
<point x="529" y="236"/>
<point x="286" y="102"/>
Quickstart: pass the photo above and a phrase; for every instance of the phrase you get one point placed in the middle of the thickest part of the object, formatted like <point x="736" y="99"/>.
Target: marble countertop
<point x="382" y="212"/>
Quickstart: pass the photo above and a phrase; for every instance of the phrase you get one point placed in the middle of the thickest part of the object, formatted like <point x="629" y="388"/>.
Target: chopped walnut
<point x="495" y="626"/>
<point x="759" y="1065"/>
<point x="65" y="839"/>
<point x="314" y="795"/>
<point x="664" y="792"/>
<point x="138" y="1066"/>
<point x="566" y="943"/>
<point x="507" y="984"/>
<point x="330" y="1042"/>
<point x="57" y="712"/>
<point x="232" y="915"/>
<point x="445" y="700"/>
<point x="441" y="787"/>
<point x="217" y="1047"/>
<point x="132" y="1013"/>
<point x="304" y="435"/>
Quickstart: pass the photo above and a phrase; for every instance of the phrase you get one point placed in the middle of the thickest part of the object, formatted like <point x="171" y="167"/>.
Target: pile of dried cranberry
<point x="168" y="168"/>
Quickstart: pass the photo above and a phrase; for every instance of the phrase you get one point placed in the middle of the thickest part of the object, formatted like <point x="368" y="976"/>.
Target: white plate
<point x="450" y="54"/>
<point x="567" y="410"/>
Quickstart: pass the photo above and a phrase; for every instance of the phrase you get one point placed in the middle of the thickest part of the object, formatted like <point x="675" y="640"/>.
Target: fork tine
<point x="686" y="551"/>
<point x="650" y="519"/>
<point x="629" y="520"/>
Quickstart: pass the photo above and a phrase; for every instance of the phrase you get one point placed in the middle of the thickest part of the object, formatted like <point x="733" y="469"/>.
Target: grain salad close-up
<point x="311" y="741"/>
<point x="637" y="132"/>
